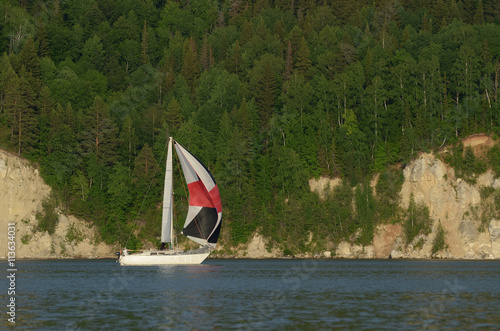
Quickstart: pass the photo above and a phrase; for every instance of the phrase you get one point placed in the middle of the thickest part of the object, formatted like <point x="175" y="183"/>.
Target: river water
<point x="256" y="295"/>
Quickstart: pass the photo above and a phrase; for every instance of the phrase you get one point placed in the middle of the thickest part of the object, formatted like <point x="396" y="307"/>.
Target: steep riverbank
<point x="22" y="192"/>
<point x="471" y="231"/>
<point x="460" y="208"/>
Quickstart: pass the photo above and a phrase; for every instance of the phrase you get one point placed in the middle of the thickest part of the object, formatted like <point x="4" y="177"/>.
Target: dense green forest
<point x="267" y="93"/>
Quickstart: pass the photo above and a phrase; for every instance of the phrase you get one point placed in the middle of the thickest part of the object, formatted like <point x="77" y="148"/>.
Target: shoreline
<point x="2" y="259"/>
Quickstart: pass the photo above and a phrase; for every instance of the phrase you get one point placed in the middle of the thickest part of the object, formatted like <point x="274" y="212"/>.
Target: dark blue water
<point x="256" y="295"/>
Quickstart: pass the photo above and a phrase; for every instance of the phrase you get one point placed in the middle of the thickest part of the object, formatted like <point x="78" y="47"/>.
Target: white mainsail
<point x="167" y="215"/>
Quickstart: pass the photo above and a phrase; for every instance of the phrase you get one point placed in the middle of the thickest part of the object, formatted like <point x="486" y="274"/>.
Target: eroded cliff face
<point x="453" y="203"/>
<point x="22" y="191"/>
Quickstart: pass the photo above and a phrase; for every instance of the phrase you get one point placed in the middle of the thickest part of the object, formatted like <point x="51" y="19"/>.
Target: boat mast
<point x="172" y="222"/>
<point x="166" y="223"/>
<point x="170" y="143"/>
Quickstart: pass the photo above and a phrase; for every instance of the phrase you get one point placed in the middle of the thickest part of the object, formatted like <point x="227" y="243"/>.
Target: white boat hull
<point x="163" y="258"/>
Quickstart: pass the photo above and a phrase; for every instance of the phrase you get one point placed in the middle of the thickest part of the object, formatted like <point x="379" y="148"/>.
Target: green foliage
<point x="48" y="219"/>
<point x="490" y="206"/>
<point x="266" y="95"/>
<point x="388" y="198"/>
<point x="240" y="232"/>
<point x="494" y="158"/>
<point x="25" y="239"/>
<point x="74" y="235"/>
<point x="465" y="163"/>
<point x="439" y="241"/>
<point x="340" y="208"/>
<point x="417" y="221"/>
<point x="365" y="213"/>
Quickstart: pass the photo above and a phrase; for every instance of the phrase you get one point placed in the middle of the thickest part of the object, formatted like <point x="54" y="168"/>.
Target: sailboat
<point x="203" y="221"/>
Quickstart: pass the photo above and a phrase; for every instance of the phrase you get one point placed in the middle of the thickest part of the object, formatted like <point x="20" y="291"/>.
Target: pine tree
<point x="280" y="29"/>
<point x="234" y="62"/>
<point x="368" y="67"/>
<point x="70" y="117"/>
<point x="29" y="60"/>
<point x="261" y="30"/>
<point x="303" y="63"/>
<point x="92" y="18"/>
<point x="289" y="61"/>
<point x="190" y="67"/>
<point x="8" y="86"/>
<point x="211" y="56"/>
<point x="345" y="54"/>
<point x="486" y="53"/>
<point x="41" y="36"/>
<point x="10" y="98"/>
<point x="128" y="138"/>
<point x="168" y="73"/>
<point x="145" y="170"/>
<point x="440" y="13"/>
<point x="99" y="135"/>
<point x="266" y="93"/>
<point x="243" y="121"/>
<point x="173" y="115"/>
<point x="453" y="12"/>
<point x="246" y="32"/>
<point x="153" y="119"/>
<point x="144" y="44"/>
<point x="62" y="150"/>
<point x="426" y="23"/>
<point x="23" y="116"/>
<point x="479" y="15"/>
<point x="406" y="35"/>
<point x="295" y="37"/>
<point x="205" y="54"/>
<point x="259" y="6"/>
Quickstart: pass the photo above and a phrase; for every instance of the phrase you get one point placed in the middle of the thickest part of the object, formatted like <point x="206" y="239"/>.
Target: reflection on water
<point x="258" y="294"/>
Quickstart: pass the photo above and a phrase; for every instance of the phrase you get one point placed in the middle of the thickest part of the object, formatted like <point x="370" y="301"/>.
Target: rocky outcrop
<point x="494" y="230"/>
<point x="22" y="191"/>
<point x="453" y="203"/>
<point x="257" y="248"/>
<point x="73" y="238"/>
<point x="386" y="237"/>
<point x="323" y="184"/>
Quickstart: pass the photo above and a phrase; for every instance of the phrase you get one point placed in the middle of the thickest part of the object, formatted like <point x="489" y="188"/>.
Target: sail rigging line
<point x="146" y="195"/>
<point x="198" y="227"/>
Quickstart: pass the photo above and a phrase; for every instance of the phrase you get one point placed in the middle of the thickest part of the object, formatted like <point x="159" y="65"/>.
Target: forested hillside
<point x="267" y="93"/>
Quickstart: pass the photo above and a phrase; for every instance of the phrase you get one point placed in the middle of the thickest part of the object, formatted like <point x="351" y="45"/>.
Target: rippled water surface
<point x="257" y="295"/>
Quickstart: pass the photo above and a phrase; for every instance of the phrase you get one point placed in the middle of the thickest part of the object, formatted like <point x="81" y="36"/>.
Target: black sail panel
<point x="203" y="223"/>
<point x="215" y="236"/>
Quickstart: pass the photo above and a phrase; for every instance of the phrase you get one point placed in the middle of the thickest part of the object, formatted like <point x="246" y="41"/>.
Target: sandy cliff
<point x="453" y="203"/>
<point x="22" y="191"/>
